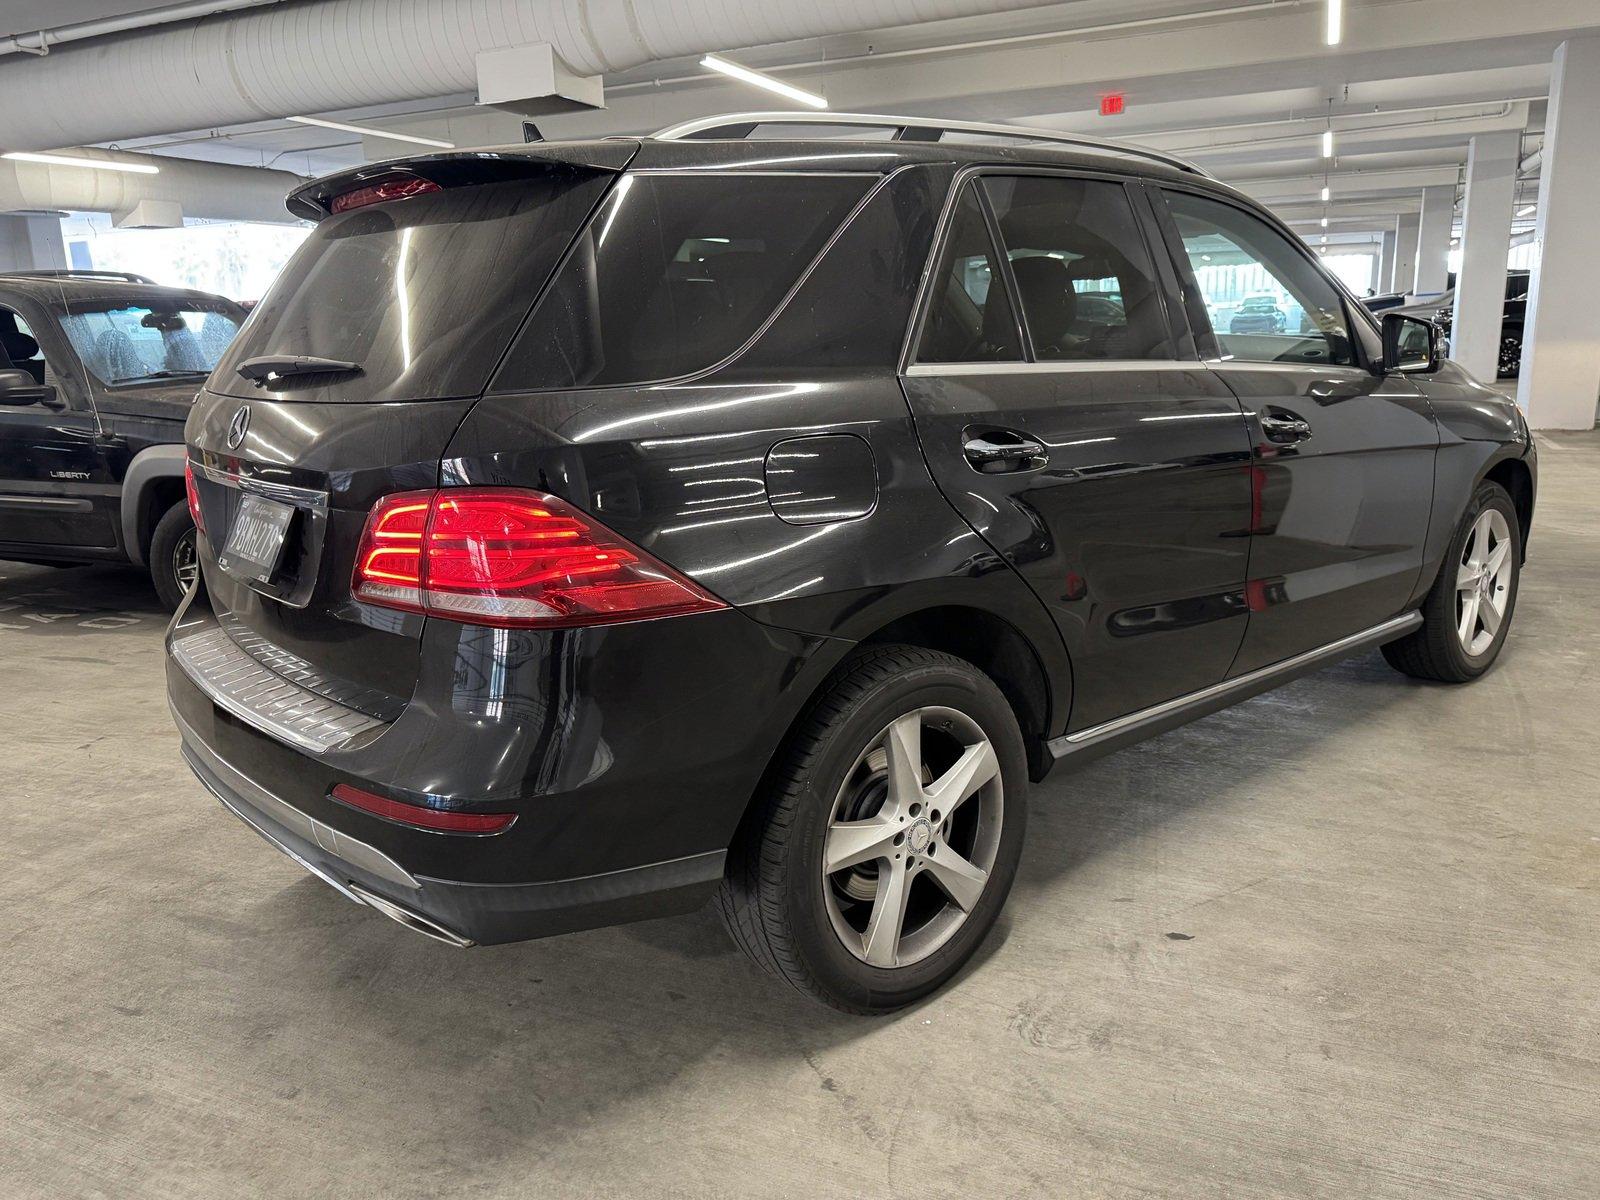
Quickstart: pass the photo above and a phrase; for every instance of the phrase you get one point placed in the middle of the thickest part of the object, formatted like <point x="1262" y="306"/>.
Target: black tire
<point x="1510" y="356"/>
<point x="774" y="899"/>
<point x="173" y="532"/>
<point x="1435" y="651"/>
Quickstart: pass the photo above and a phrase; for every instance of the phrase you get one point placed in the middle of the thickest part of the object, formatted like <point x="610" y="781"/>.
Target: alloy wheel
<point x="912" y="837"/>
<point x="185" y="561"/>
<point x="1483" y="582"/>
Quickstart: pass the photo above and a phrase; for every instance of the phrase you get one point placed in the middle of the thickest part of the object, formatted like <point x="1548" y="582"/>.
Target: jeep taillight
<point x="511" y="558"/>
<point x="192" y="494"/>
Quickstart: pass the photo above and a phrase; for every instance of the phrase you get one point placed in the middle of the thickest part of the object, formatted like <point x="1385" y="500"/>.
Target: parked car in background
<point x="97" y="375"/>
<point x="592" y="530"/>
<point x="1259" y="314"/>
<point x="1440" y="309"/>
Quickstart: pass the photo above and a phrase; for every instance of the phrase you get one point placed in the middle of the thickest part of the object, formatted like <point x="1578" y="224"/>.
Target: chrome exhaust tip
<point x="413" y="921"/>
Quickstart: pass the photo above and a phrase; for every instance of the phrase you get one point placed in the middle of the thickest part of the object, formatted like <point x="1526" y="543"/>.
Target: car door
<point x="51" y="471"/>
<point x="1343" y="455"/>
<point x="1058" y="417"/>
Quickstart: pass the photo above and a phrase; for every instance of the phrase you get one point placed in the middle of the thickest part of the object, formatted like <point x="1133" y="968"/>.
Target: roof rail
<point x="126" y="276"/>
<point x="913" y="129"/>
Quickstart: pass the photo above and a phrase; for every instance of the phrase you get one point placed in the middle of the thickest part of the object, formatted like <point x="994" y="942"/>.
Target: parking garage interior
<point x="1336" y="940"/>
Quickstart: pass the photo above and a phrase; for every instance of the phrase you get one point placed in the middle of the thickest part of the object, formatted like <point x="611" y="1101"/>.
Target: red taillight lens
<point x="496" y="556"/>
<point x="378" y="193"/>
<point x="192" y="494"/>
<point x="439" y="820"/>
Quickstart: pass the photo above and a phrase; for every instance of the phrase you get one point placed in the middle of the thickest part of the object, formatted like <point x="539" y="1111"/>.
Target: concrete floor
<point x="1339" y="941"/>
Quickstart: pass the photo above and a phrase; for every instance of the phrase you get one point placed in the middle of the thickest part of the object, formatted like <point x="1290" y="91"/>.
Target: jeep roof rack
<point x="125" y="276"/>
<point x="913" y="129"/>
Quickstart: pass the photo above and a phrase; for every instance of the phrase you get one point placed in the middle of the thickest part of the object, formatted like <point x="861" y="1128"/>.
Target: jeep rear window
<point x="424" y="292"/>
<point x="675" y="273"/>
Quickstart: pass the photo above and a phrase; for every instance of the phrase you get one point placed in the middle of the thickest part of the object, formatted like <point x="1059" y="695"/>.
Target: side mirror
<point x="19" y="389"/>
<point x="1410" y="345"/>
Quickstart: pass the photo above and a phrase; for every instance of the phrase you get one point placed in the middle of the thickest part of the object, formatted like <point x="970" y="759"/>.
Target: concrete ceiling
<point x="1243" y="87"/>
<point x="30" y="16"/>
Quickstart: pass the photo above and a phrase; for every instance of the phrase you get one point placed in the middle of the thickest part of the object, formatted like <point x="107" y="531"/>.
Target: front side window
<point x="121" y="342"/>
<point x="675" y="273"/>
<point x="1267" y="301"/>
<point x="1083" y="275"/>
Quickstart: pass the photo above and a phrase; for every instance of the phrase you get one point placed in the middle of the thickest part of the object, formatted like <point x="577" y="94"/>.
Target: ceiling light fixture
<point x="1324" y="222"/>
<point x="756" y="79"/>
<point x="93" y="164"/>
<point x="1327" y="193"/>
<point x="1335" y="33"/>
<point x="1327" y="143"/>
<point x="1529" y="211"/>
<point x="370" y="131"/>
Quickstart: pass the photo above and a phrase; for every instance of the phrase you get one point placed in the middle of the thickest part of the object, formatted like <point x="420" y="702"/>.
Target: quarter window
<point x="1266" y="300"/>
<point x="971" y="319"/>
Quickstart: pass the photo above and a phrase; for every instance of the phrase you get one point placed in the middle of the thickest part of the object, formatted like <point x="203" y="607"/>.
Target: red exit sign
<point x="1112" y="105"/>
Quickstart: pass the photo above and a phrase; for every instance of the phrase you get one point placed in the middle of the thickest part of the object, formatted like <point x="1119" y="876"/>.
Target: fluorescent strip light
<point x="1327" y="143"/>
<point x="1529" y="211"/>
<point x="757" y="79"/>
<point x="1335" y="33"/>
<point x="1324" y="222"/>
<point x="93" y="164"/>
<point x="369" y="131"/>
<point x="1327" y="194"/>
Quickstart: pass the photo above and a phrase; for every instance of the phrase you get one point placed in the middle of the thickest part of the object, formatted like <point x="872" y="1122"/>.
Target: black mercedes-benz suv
<point x="592" y="530"/>
<point x="97" y="373"/>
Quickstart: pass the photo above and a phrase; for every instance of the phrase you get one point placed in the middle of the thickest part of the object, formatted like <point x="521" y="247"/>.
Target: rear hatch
<point x="414" y="283"/>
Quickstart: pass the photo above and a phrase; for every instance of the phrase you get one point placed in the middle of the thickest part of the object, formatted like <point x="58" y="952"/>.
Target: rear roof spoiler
<point x="459" y="168"/>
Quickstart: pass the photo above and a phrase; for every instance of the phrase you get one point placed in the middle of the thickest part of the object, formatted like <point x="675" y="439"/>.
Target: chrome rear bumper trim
<point x="234" y="680"/>
<point x="237" y="792"/>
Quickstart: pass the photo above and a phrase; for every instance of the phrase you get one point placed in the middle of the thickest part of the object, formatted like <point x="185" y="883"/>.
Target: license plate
<point x="255" y="544"/>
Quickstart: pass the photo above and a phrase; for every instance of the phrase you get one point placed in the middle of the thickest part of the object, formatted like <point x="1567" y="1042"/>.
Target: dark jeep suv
<point x="592" y="530"/>
<point x="97" y="373"/>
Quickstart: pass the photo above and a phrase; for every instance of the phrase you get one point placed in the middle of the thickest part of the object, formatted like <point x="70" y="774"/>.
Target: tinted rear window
<point x="424" y="293"/>
<point x="674" y="274"/>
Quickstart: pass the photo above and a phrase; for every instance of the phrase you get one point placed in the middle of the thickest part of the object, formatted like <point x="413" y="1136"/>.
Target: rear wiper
<point x="265" y="368"/>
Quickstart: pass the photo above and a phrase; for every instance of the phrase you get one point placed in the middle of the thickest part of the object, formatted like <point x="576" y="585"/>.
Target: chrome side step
<point x="1158" y="718"/>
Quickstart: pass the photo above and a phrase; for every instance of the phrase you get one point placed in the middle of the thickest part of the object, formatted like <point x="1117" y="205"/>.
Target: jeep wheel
<point x="174" y="563"/>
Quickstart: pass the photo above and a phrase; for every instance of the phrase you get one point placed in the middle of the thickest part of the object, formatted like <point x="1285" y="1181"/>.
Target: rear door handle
<point x="1284" y="427"/>
<point x="998" y="451"/>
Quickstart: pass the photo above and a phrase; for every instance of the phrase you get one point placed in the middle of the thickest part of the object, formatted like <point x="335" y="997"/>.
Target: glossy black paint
<point x="64" y="461"/>
<point x="817" y="482"/>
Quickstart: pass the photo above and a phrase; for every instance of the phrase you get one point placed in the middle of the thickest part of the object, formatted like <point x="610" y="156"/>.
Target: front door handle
<point x="1284" y="428"/>
<point x="998" y="451"/>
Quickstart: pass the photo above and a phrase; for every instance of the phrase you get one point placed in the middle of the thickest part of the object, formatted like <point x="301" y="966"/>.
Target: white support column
<point x="1405" y="253"/>
<point x="1485" y="245"/>
<point x="1386" y="262"/>
<point x="31" y="244"/>
<point x="1433" y="239"/>
<point x="1560" y="381"/>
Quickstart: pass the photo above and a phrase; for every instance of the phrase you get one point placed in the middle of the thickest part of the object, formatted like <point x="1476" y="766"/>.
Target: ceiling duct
<point x="183" y="188"/>
<point x="330" y="55"/>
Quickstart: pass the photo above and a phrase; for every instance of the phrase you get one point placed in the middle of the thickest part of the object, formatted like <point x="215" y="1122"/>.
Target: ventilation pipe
<point x="184" y="188"/>
<point x="282" y="60"/>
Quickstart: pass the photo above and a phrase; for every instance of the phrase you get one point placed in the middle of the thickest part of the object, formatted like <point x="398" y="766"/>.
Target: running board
<point x="1147" y="722"/>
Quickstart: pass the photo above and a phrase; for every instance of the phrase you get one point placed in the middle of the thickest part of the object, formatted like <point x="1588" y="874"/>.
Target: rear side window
<point x="675" y="273"/>
<point x="1083" y="275"/>
<point x="425" y="293"/>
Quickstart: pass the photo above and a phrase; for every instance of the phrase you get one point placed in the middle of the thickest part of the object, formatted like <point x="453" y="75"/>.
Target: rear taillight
<point x="379" y="193"/>
<point x="439" y="820"/>
<point x="192" y="494"/>
<point x="497" y="556"/>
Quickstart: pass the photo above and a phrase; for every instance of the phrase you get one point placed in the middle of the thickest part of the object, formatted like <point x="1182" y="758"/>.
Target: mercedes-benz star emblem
<point x="238" y="427"/>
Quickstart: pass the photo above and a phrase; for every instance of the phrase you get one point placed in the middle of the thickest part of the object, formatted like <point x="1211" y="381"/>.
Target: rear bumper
<point x="628" y="754"/>
<point x="453" y="911"/>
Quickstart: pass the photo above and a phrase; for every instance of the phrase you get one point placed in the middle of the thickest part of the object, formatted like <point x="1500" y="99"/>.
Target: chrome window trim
<point x="1073" y="367"/>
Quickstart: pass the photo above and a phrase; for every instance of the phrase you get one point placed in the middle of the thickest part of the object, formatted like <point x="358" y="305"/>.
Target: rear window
<point x="674" y="274"/>
<point x="425" y="292"/>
